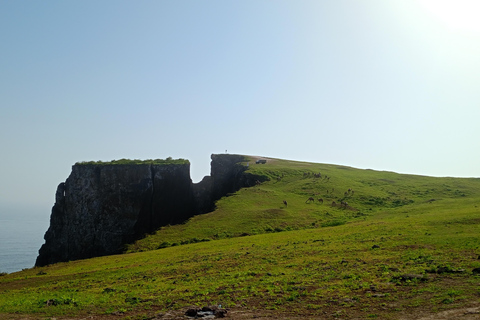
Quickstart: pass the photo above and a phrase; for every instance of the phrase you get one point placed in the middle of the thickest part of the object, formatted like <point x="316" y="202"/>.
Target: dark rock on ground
<point x="206" y="312"/>
<point x="443" y="269"/>
<point x="191" y="312"/>
<point x="220" y="313"/>
<point x="411" y="277"/>
<point x="476" y="271"/>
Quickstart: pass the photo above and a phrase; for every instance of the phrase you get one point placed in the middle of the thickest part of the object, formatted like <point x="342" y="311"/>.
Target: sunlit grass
<point x="260" y="209"/>
<point x="305" y="258"/>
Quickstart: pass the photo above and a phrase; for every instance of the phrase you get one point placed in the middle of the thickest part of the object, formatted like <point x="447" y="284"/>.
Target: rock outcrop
<point x="102" y="207"/>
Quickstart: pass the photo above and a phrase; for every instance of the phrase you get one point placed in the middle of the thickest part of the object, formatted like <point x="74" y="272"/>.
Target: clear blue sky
<point x="381" y="84"/>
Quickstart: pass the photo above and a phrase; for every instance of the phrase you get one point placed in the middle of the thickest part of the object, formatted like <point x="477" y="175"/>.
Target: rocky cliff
<point x="101" y="207"/>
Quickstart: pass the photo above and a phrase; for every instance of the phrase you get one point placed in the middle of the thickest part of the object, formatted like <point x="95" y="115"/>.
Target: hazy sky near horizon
<point x="381" y="84"/>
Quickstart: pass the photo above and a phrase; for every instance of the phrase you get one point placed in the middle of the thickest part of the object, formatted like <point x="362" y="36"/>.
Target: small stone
<point x="411" y="276"/>
<point x="51" y="302"/>
<point x="375" y="246"/>
<point x="443" y="270"/>
<point x="220" y="313"/>
<point x="191" y="312"/>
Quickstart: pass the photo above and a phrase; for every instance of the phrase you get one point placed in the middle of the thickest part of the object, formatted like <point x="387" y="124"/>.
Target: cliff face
<point x="102" y="207"/>
<point x="227" y="176"/>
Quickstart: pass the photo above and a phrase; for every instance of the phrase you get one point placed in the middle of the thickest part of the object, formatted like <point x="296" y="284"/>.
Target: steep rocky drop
<point x="103" y="206"/>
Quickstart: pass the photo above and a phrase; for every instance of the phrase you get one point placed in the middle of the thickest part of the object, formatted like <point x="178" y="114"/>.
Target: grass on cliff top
<point x="404" y="246"/>
<point x="166" y="161"/>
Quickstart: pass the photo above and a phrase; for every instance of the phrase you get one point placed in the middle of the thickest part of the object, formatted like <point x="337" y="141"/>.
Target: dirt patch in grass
<point x="468" y="313"/>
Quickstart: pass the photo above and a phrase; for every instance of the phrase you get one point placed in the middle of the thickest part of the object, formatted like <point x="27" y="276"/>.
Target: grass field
<point x="404" y="245"/>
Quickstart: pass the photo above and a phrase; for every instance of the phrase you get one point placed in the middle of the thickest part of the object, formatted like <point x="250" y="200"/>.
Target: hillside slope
<point x="347" y="194"/>
<point x="403" y="247"/>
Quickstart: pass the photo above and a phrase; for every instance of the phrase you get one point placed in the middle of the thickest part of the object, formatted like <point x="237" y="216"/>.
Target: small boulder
<point x="192" y="312"/>
<point x="220" y="313"/>
<point x="476" y="271"/>
<point x="411" y="277"/>
<point x="441" y="270"/>
<point x="51" y="302"/>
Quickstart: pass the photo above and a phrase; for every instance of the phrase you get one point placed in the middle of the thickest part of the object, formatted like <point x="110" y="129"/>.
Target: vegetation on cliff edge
<point x="166" y="161"/>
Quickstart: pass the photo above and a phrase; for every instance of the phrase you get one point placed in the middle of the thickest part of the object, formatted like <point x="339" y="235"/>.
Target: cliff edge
<point x="103" y="206"/>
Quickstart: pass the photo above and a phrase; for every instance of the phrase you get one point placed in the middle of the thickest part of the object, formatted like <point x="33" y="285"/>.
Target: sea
<point x="20" y="239"/>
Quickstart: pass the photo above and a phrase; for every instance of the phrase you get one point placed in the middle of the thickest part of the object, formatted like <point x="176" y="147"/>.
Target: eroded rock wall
<point x="102" y="207"/>
<point x="99" y="208"/>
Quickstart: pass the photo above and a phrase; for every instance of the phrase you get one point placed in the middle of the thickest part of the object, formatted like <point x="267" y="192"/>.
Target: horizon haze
<point x="385" y="85"/>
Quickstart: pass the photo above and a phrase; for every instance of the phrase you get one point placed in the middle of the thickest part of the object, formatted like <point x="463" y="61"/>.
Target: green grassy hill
<point x="260" y="209"/>
<point x="404" y="245"/>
